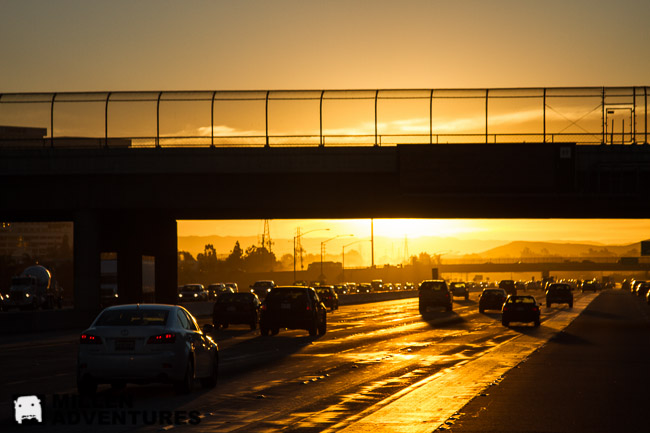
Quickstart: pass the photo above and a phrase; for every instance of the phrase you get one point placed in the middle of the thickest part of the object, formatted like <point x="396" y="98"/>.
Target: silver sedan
<point x="144" y="343"/>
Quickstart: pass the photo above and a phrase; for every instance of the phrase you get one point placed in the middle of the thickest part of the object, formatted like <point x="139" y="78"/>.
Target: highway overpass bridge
<point x="60" y="159"/>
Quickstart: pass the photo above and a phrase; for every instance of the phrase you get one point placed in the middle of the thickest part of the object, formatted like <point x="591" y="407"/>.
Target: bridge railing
<point x="587" y="115"/>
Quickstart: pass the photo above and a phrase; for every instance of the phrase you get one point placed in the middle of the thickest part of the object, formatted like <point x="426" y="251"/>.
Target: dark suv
<point x="262" y="287"/>
<point x="509" y="286"/>
<point x="520" y="309"/>
<point x="293" y="307"/>
<point x="559" y="293"/>
<point x="236" y="308"/>
<point x="328" y="295"/>
<point x="434" y="293"/>
<point x="459" y="289"/>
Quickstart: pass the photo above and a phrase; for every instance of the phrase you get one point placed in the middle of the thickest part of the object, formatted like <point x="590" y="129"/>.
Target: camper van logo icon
<point x="28" y="407"/>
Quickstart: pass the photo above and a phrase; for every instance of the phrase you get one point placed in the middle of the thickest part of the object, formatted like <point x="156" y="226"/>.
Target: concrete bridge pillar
<point x="146" y="236"/>
<point x="165" y="243"/>
<point x="132" y="237"/>
<point x="86" y="261"/>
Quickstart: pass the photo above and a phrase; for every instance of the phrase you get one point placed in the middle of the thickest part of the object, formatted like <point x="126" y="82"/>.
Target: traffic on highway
<point x="287" y="362"/>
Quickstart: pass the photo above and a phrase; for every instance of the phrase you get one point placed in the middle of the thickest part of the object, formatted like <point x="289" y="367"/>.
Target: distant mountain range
<point x="394" y="249"/>
<point x="564" y="249"/>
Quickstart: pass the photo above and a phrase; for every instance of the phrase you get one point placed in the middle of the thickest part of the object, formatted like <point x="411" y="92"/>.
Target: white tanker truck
<point x="34" y="288"/>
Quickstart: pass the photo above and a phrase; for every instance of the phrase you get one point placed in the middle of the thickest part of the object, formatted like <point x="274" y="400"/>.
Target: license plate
<point x="285" y="306"/>
<point x="126" y="344"/>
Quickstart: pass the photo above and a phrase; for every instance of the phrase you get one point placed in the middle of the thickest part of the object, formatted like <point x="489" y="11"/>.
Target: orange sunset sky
<point x="75" y="45"/>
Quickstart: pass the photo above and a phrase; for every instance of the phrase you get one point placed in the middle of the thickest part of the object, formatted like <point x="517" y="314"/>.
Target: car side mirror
<point x="207" y="328"/>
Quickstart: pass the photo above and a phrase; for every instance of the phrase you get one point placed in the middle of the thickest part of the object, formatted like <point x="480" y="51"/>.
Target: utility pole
<point x="266" y="236"/>
<point x="372" y="243"/>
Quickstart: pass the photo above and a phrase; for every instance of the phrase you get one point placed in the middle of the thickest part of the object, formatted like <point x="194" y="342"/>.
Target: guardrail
<point x="582" y="115"/>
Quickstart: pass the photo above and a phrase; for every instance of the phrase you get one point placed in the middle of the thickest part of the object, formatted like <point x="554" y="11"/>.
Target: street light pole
<point x="297" y="238"/>
<point x="322" y="244"/>
<point x="372" y="243"/>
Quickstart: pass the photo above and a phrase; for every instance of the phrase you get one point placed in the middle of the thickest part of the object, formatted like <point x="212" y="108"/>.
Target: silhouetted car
<point x="647" y="297"/>
<point x="591" y="286"/>
<point x="328" y="296"/>
<point x="364" y="288"/>
<point x="434" y="293"/>
<point x="642" y="289"/>
<point x="341" y="289"/>
<point x="352" y="287"/>
<point x="143" y="343"/>
<point x="634" y="284"/>
<point x="522" y="308"/>
<point x="509" y="286"/>
<point x="491" y="299"/>
<point x="216" y="289"/>
<point x="233" y="286"/>
<point x="236" y="308"/>
<point x="262" y="288"/>
<point x="459" y="289"/>
<point x="559" y="293"/>
<point x="293" y="307"/>
<point x="193" y="292"/>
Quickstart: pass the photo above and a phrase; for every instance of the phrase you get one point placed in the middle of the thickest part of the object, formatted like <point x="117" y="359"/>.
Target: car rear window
<point x="291" y="294"/>
<point x="133" y="317"/>
<point x="493" y="292"/>
<point x="228" y="298"/>
<point x="520" y="300"/>
<point x="433" y="285"/>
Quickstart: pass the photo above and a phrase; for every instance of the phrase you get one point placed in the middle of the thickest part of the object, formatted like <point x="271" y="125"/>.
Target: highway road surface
<point x="381" y="367"/>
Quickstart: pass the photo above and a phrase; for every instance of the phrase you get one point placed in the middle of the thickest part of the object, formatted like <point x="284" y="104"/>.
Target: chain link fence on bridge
<point x="589" y="115"/>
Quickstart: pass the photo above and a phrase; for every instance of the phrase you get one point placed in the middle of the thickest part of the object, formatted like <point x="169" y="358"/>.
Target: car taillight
<point x="535" y="309"/>
<point x="167" y="338"/>
<point x="90" y="339"/>
<point x="308" y="308"/>
<point x="263" y="307"/>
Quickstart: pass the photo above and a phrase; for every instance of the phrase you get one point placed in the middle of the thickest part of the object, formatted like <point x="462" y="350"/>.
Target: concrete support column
<point x="166" y="255"/>
<point x="86" y="261"/>
<point x="129" y="262"/>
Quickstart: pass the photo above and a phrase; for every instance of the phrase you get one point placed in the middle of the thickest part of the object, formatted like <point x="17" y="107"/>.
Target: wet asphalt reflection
<point x="372" y="355"/>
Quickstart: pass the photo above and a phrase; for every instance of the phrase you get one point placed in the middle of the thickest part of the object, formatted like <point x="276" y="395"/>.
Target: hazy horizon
<point x="397" y="239"/>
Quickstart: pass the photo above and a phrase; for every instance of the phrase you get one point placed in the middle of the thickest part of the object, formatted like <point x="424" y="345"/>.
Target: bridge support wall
<point x="132" y="237"/>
